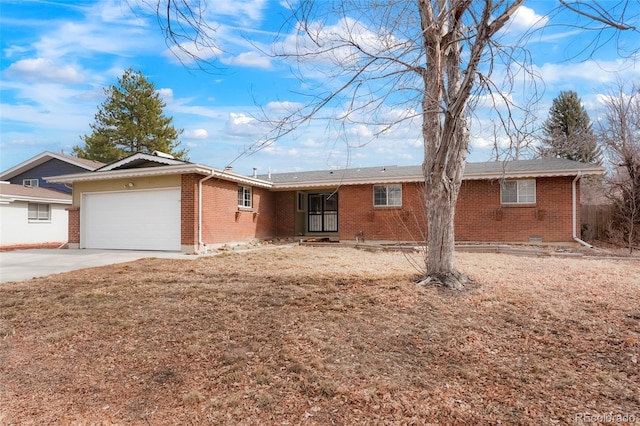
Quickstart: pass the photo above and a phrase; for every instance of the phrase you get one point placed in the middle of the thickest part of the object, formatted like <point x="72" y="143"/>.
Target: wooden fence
<point x="595" y="221"/>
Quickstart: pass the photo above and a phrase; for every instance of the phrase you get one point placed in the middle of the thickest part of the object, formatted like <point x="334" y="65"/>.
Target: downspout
<point x="202" y="247"/>
<point x="574" y="213"/>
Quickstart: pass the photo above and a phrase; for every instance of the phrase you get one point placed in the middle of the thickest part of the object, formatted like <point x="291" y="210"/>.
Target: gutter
<point x="574" y="212"/>
<point x="202" y="247"/>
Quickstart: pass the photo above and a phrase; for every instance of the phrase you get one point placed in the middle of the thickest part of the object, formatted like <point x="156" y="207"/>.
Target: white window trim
<point x="518" y="201"/>
<point x="29" y="183"/>
<point x="387" y="195"/>
<point x="245" y="190"/>
<point x="37" y="218"/>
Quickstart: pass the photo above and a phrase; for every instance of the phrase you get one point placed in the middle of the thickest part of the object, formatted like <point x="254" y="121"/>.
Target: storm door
<point x="323" y="212"/>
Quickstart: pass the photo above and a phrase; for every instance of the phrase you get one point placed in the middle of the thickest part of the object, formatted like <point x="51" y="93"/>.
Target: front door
<point x="323" y="212"/>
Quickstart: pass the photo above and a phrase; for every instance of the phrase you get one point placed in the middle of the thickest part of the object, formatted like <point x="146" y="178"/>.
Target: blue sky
<point x="58" y="56"/>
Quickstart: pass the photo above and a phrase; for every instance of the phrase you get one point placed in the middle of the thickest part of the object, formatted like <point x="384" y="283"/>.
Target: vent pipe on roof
<point x="228" y="169"/>
<point x="162" y="154"/>
<point x="255" y="172"/>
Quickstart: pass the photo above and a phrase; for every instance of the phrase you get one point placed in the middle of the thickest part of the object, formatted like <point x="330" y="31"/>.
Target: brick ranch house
<point x="154" y="202"/>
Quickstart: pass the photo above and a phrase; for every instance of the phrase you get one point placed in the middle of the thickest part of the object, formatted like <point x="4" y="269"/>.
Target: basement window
<point x="387" y="195"/>
<point x="518" y="191"/>
<point x="244" y="197"/>
<point x="39" y="212"/>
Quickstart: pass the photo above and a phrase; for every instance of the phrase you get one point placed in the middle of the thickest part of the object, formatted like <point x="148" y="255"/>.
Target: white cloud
<point x="166" y="94"/>
<point x="85" y="38"/>
<point x="311" y="143"/>
<point x="494" y="100"/>
<point x="40" y="69"/>
<point x="270" y="148"/>
<point x="14" y="50"/>
<point x="360" y="131"/>
<point x="117" y="12"/>
<point x="594" y="71"/>
<point x="243" y="125"/>
<point x="331" y="43"/>
<point x="284" y="107"/>
<point x="248" y="59"/>
<point x="187" y="53"/>
<point x="196" y="134"/>
<point x="525" y="19"/>
<point x="243" y="11"/>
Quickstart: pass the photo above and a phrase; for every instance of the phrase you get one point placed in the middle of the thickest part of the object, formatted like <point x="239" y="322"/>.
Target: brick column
<point x="74" y="226"/>
<point x="189" y="212"/>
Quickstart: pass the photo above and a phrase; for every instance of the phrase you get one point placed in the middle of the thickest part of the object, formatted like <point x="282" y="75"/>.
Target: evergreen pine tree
<point x="567" y="131"/>
<point x="129" y="121"/>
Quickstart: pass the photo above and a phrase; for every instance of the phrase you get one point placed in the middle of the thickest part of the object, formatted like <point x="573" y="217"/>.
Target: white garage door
<point x="131" y="220"/>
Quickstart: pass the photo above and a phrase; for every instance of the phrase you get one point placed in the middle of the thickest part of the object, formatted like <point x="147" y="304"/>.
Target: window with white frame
<point x="30" y="182"/>
<point x="244" y="196"/>
<point x="387" y="195"/>
<point x="39" y="212"/>
<point x="518" y="191"/>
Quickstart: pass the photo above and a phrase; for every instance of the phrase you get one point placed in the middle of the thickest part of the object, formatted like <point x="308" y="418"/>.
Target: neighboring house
<point x="18" y="197"/>
<point x="31" y="216"/>
<point x="32" y="171"/>
<point x="155" y="202"/>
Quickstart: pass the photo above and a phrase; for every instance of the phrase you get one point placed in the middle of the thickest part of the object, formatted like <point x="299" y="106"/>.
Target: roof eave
<point x="36" y="161"/>
<point x="128" y="173"/>
<point x="234" y="177"/>
<point x="157" y="171"/>
<point x="420" y="178"/>
<point x="339" y="182"/>
<point x="12" y="198"/>
<point x="141" y="156"/>
<point x="535" y="174"/>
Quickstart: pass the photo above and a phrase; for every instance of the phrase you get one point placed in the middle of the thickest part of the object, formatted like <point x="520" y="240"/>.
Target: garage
<point x="131" y="220"/>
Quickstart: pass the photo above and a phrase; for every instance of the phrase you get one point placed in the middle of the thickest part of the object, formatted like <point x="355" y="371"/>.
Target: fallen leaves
<point x="321" y="336"/>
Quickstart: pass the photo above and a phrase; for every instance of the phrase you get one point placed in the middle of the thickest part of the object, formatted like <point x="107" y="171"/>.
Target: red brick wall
<point x="285" y="208"/>
<point x="479" y="214"/>
<point x="74" y="225"/>
<point x="189" y="212"/>
<point x="481" y="217"/>
<point x="358" y="216"/>
<point x="224" y="222"/>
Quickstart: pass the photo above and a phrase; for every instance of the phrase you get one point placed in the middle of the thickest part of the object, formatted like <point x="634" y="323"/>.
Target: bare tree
<point x="420" y="57"/>
<point x="187" y="31"/>
<point x="430" y="59"/>
<point x="620" y="135"/>
<point x="518" y="143"/>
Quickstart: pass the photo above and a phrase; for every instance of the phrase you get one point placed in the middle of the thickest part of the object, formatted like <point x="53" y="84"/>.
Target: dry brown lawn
<point x="321" y="336"/>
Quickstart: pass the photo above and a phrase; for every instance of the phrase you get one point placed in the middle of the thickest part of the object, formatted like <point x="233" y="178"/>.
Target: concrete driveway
<point x="19" y="265"/>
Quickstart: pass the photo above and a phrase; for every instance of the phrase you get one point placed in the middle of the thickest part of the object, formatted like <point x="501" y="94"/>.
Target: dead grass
<point x="321" y="336"/>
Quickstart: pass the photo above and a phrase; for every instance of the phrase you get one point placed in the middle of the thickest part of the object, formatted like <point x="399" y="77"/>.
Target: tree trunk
<point x="440" y="258"/>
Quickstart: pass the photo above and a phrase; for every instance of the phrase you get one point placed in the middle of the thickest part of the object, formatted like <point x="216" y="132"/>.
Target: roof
<point x="11" y="192"/>
<point x="147" y="165"/>
<point x="43" y="158"/>
<point x="141" y="160"/>
<point x="139" y="165"/>
<point x="398" y="174"/>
